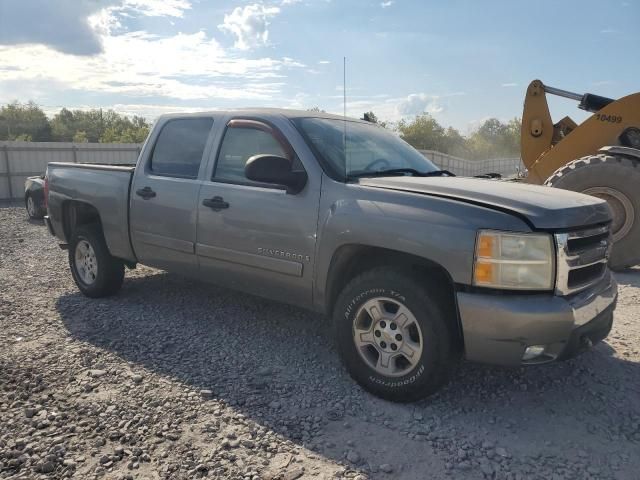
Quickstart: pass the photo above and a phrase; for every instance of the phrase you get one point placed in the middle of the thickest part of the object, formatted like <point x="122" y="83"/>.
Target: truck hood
<point x="542" y="207"/>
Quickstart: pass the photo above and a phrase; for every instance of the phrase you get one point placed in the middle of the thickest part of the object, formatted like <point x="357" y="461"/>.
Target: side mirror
<point x="275" y="170"/>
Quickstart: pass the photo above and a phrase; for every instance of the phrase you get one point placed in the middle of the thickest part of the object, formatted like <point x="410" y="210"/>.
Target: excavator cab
<point x="600" y="157"/>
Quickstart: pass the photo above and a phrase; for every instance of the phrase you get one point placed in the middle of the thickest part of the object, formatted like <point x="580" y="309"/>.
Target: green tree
<point x="514" y="129"/>
<point x="423" y="132"/>
<point x="495" y="139"/>
<point x="80" y="137"/>
<point x="370" y="116"/>
<point x="24" y="121"/>
<point x="62" y="129"/>
<point x="99" y="126"/>
<point x="22" y="137"/>
<point x="121" y="129"/>
<point x="456" y="144"/>
<point x="66" y="123"/>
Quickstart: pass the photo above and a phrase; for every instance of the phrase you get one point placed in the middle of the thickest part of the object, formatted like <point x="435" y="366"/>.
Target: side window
<point x="240" y="144"/>
<point x="179" y="147"/>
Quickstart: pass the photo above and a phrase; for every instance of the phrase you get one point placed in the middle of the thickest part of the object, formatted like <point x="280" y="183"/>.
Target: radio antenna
<point x="344" y="101"/>
<point x="344" y="85"/>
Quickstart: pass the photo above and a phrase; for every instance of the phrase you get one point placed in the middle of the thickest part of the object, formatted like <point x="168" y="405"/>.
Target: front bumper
<point x="497" y="328"/>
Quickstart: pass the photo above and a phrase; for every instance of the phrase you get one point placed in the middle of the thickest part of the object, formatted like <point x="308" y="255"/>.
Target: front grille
<point x="582" y="258"/>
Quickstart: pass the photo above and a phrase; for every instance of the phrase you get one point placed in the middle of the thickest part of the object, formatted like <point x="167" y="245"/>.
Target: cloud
<point x="63" y="25"/>
<point x="137" y="64"/>
<point x="606" y="31"/>
<point x="418" y="103"/>
<point x="509" y="84"/>
<point x="151" y="110"/>
<point x="386" y="4"/>
<point x="158" y="8"/>
<point x="249" y="24"/>
<point x="324" y="62"/>
<point x="74" y="26"/>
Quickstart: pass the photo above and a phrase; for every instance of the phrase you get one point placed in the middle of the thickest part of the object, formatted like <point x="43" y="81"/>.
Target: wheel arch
<point x="351" y="260"/>
<point x="76" y="213"/>
<point x="36" y="194"/>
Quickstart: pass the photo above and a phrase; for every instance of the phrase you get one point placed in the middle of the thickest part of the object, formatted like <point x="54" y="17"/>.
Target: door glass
<point x="179" y="148"/>
<point x="238" y="146"/>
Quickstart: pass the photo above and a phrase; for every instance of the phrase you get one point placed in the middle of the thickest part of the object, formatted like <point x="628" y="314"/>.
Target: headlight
<point x="517" y="261"/>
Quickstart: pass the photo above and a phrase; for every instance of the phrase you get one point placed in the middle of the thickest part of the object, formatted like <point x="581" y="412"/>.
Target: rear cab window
<point x="180" y="146"/>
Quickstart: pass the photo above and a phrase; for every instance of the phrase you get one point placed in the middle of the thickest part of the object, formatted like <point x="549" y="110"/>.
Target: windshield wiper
<point x="439" y="173"/>
<point x="400" y="171"/>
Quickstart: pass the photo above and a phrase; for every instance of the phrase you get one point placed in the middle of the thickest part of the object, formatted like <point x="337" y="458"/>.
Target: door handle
<point x="145" y="193"/>
<point x="215" y="203"/>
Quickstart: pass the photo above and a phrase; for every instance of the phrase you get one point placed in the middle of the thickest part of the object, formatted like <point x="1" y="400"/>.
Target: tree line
<point x="28" y="122"/>
<point x="492" y="139"/>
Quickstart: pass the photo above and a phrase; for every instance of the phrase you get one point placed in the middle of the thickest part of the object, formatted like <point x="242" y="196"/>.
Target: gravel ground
<point x="176" y="379"/>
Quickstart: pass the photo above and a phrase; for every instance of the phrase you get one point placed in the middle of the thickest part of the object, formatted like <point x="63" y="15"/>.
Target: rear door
<point x="256" y="237"/>
<point x="164" y="194"/>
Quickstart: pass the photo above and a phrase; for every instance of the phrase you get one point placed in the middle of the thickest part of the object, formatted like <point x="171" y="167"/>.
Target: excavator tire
<point x="615" y="179"/>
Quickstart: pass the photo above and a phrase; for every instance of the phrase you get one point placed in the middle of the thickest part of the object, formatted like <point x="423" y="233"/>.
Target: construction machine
<point x="599" y="157"/>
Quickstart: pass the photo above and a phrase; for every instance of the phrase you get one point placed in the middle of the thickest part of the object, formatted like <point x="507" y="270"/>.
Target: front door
<point x="256" y="237"/>
<point x="164" y="195"/>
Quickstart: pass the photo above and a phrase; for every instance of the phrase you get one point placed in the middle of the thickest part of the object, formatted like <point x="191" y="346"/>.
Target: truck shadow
<point x="276" y="364"/>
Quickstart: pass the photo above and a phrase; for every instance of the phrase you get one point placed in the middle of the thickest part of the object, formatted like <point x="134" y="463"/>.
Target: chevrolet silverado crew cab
<point x="416" y="267"/>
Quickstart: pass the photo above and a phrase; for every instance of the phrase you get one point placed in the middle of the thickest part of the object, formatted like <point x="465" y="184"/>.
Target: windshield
<point x="351" y="149"/>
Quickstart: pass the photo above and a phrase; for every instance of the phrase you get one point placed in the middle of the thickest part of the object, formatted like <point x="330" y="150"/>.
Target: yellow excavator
<point x="599" y="157"/>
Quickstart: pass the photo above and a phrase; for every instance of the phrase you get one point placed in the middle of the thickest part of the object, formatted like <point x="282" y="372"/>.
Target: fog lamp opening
<point x="532" y="352"/>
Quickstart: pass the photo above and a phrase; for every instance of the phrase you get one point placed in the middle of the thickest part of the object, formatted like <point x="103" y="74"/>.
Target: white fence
<point x="19" y="160"/>
<point x="468" y="168"/>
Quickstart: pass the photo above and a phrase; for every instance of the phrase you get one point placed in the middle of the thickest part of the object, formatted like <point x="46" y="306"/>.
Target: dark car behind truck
<point x="416" y="267"/>
<point x="34" y="198"/>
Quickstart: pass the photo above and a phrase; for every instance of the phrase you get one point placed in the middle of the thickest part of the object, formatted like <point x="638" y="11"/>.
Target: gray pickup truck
<point x="416" y="267"/>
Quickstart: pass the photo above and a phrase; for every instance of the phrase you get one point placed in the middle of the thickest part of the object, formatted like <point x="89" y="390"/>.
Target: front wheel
<point x="95" y="271"/>
<point x="392" y="335"/>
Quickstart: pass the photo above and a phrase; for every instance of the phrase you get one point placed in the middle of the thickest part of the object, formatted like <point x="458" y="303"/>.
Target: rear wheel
<point x="615" y="179"/>
<point x="34" y="210"/>
<point x="392" y="335"/>
<point x="95" y="271"/>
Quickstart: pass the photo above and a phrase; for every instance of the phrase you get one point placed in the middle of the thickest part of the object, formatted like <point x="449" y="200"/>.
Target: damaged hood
<point x="544" y="207"/>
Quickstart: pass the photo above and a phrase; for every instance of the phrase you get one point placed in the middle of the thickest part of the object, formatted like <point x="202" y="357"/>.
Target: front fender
<point x="437" y="229"/>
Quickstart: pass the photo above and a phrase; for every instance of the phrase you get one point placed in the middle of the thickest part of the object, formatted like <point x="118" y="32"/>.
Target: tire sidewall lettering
<point x="353" y="305"/>
<point x="370" y="292"/>
<point x="399" y="383"/>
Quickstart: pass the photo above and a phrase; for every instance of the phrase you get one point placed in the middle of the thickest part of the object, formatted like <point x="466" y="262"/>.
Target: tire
<point x="34" y="210"/>
<point x="96" y="273"/>
<point x="617" y="180"/>
<point x="403" y="380"/>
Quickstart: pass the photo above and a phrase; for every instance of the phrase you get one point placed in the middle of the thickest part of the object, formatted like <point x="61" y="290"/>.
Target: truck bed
<point x="105" y="188"/>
